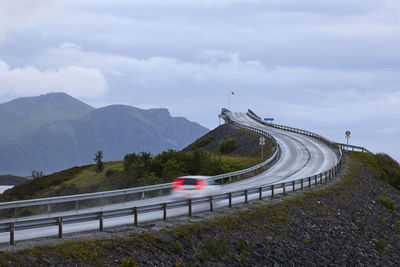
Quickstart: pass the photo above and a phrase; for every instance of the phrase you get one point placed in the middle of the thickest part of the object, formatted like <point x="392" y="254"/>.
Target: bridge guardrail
<point x="273" y="190"/>
<point x="254" y="116"/>
<point x="353" y="148"/>
<point x="46" y="205"/>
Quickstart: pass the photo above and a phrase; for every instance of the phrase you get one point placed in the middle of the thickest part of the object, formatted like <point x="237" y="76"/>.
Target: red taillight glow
<point x="200" y="184"/>
<point x="177" y="184"/>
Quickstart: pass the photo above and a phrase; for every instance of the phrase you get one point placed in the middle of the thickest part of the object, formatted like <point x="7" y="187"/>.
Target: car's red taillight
<point x="200" y="184"/>
<point x="177" y="184"/>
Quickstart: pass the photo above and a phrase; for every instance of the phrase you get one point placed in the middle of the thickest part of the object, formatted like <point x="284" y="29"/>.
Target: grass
<point x="387" y="202"/>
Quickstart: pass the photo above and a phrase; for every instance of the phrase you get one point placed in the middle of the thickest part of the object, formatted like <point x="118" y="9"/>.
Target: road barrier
<point x="18" y="209"/>
<point x="100" y="216"/>
<point x="273" y="190"/>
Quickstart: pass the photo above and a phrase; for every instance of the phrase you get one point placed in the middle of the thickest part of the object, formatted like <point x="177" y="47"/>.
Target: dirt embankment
<point x="353" y="222"/>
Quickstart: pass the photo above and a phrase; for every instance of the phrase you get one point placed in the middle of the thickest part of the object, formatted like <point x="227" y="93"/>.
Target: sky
<point x="322" y="65"/>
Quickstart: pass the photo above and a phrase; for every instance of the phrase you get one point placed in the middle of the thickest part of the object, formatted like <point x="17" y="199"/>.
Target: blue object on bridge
<point x="268" y="119"/>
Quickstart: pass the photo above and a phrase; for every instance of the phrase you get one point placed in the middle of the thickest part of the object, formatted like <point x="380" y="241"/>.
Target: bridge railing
<point x="258" y="192"/>
<point x="353" y="148"/>
<point x="272" y="190"/>
<point x="25" y="208"/>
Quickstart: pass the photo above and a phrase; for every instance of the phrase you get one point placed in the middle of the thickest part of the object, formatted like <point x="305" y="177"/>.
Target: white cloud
<point x="74" y="80"/>
<point x="15" y="14"/>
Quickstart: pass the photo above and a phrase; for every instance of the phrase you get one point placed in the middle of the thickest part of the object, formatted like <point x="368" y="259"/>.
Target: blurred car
<point x="194" y="186"/>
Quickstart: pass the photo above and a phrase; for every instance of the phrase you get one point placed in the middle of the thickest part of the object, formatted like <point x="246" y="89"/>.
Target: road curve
<point x="301" y="156"/>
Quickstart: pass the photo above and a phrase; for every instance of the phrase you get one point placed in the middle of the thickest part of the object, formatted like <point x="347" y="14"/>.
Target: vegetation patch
<point x="227" y="146"/>
<point x="387" y="202"/>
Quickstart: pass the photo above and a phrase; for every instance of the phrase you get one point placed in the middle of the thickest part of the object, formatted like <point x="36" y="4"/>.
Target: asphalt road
<point x="301" y="157"/>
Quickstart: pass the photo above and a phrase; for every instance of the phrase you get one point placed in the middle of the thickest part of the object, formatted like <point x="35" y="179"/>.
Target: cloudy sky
<point x="322" y="65"/>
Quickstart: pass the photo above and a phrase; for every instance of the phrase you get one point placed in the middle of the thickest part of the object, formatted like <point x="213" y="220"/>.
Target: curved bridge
<point x="302" y="159"/>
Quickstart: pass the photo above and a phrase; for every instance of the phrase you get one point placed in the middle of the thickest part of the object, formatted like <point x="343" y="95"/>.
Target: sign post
<point x="262" y="144"/>
<point x="347" y="137"/>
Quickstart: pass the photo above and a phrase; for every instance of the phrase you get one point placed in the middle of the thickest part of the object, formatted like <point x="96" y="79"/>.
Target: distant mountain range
<point x="56" y="131"/>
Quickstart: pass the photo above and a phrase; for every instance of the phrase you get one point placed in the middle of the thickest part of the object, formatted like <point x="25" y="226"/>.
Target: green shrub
<point x="387" y="202"/>
<point x="380" y="245"/>
<point x="227" y="146"/>
<point x="128" y="262"/>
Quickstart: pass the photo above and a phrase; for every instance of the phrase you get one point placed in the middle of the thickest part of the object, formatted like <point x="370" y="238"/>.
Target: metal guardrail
<point x="353" y="148"/>
<point x="138" y="192"/>
<point x="274" y="189"/>
<point x="251" y="114"/>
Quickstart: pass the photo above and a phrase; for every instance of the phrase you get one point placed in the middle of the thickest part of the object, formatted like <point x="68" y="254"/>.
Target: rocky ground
<point x="354" y="221"/>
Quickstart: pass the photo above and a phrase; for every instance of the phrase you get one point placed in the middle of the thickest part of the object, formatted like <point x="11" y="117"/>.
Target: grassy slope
<point x="326" y="224"/>
<point x="84" y="179"/>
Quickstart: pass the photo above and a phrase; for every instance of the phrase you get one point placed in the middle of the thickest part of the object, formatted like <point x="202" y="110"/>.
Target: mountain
<point x="62" y="132"/>
<point x="11" y="180"/>
<point x="22" y="116"/>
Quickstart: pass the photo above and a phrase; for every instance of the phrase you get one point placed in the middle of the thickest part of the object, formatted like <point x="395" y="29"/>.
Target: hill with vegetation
<point x="140" y="169"/>
<point x="232" y="141"/>
<point x="55" y="131"/>
<point x="354" y="221"/>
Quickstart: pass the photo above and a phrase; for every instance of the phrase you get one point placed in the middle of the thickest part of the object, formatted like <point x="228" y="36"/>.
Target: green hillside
<point x="22" y="116"/>
<point x="141" y="169"/>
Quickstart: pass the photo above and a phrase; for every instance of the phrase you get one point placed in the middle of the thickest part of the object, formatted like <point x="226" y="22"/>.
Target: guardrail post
<point x="284" y="189"/>
<point x="320" y="178"/>
<point x="101" y="221"/>
<point x="211" y="203"/>
<point x="190" y="207"/>
<point x="143" y="195"/>
<point x="301" y="184"/>
<point x="164" y="211"/>
<point x="60" y="227"/>
<point x="245" y="196"/>
<point x="316" y="179"/>
<point x="260" y="193"/>
<point x="294" y="185"/>
<point x="272" y="191"/>
<point x="12" y="231"/>
<point x="77" y="205"/>
<point x="16" y="212"/>
<point x="135" y="216"/>
<point x="48" y="208"/>
<point x="326" y="176"/>
<point x="230" y="200"/>
<point x="309" y="181"/>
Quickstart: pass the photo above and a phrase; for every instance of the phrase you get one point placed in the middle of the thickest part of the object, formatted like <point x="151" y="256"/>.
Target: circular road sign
<point x="348" y="133"/>
<point x="262" y="140"/>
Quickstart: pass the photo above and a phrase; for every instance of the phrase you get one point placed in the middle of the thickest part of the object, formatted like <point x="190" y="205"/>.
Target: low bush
<point x="387" y="202"/>
<point x="227" y="146"/>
